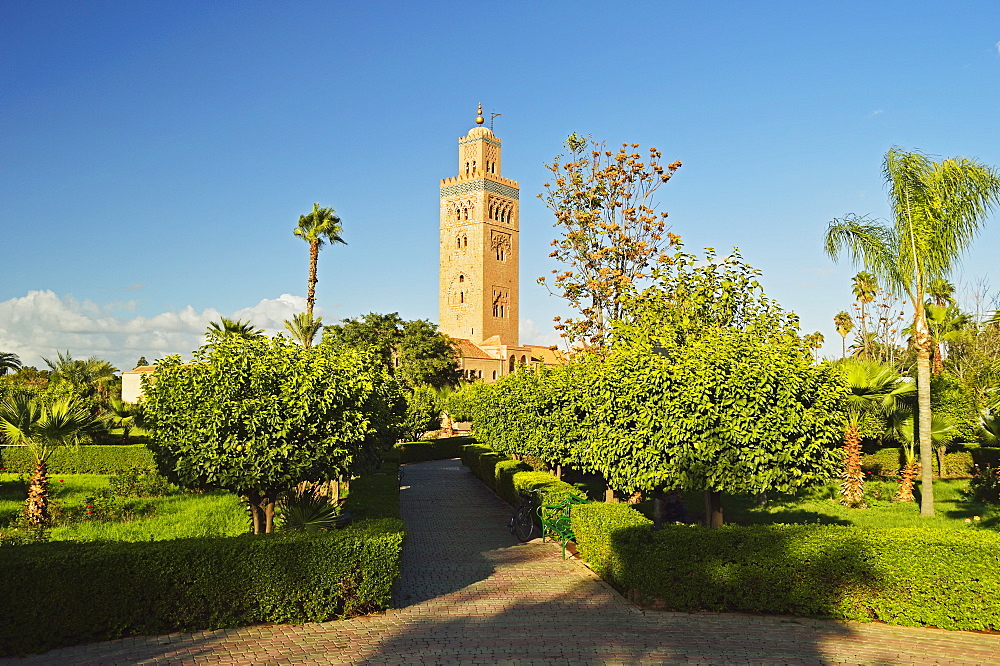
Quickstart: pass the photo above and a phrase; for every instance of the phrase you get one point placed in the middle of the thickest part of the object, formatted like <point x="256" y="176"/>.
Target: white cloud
<point x="998" y="47"/>
<point x="530" y="334"/>
<point x="876" y="112"/>
<point x="41" y="323"/>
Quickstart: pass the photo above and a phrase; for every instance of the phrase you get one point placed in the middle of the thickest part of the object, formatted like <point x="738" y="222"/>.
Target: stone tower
<point x="479" y="244"/>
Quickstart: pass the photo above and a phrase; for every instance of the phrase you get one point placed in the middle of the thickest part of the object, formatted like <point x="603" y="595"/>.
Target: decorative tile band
<point x="480" y="138"/>
<point x="471" y="186"/>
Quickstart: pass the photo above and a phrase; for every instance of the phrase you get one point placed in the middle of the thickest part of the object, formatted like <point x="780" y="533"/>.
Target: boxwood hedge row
<point x="941" y="578"/>
<point x="432" y="449"/>
<point x="63" y="593"/>
<point x="91" y="459"/>
<point x="508" y="477"/>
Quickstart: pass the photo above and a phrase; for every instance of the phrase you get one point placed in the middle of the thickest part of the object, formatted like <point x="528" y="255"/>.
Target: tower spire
<point x="479" y="115"/>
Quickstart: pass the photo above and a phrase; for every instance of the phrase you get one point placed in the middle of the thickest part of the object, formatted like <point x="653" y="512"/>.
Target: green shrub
<point x="63" y="593"/>
<point x="986" y="456"/>
<point x="904" y="576"/>
<point x="432" y="449"/>
<point x="504" y="472"/>
<point x="79" y="460"/>
<point x="985" y="485"/>
<point x="470" y="457"/>
<point x="137" y="482"/>
<point x="886" y="463"/>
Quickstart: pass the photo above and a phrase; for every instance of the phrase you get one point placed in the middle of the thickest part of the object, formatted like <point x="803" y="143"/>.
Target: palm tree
<point x="844" y="325"/>
<point x="941" y="292"/>
<point x="938" y="208"/>
<point x="225" y="328"/>
<point x="989" y="428"/>
<point x="89" y="376"/>
<point x="865" y="288"/>
<point x="319" y="226"/>
<point x="946" y="324"/>
<point x="872" y="387"/>
<point x="25" y="420"/>
<point x="125" y="415"/>
<point x="304" y="327"/>
<point x="9" y="361"/>
<point x="814" y="341"/>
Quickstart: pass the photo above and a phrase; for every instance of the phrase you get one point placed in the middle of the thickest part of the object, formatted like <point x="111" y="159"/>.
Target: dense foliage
<point x="93" y="459"/>
<point x="706" y="387"/>
<point x="257" y="417"/>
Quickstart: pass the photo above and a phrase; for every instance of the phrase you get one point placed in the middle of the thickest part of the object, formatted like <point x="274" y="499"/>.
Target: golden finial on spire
<point x="479" y="115"/>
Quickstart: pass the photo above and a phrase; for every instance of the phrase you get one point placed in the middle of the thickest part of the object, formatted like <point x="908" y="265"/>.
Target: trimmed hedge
<point x="432" y="449"/>
<point x="902" y="576"/>
<point x="508" y="477"/>
<point x="986" y="456"/>
<point x="63" y="593"/>
<point x="886" y="463"/>
<point x="92" y="459"/>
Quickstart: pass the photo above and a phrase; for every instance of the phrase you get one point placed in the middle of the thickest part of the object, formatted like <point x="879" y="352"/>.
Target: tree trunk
<point x="938" y="366"/>
<point x="262" y="510"/>
<point x="253" y="501"/>
<point x="713" y="509"/>
<point x="335" y="486"/>
<point x="852" y="479"/>
<point x="923" y="344"/>
<point x="313" y="260"/>
<point x="659" y="508"/>
<point x="36" y="507"/>
<point x="609" y="495"/>
<point x="843" y="346"/>
<point x="905" y="492"/>
<point x="940" y="460"/>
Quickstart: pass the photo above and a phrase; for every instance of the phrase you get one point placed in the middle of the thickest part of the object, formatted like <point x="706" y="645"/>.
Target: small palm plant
<point x="901" y="424"/>
<point x="225" y="328"/>
<point x="310" y="508"/>
<point x="304" y="327"/>
<point x="43" y="428"/>
<point x="872" y="387"/>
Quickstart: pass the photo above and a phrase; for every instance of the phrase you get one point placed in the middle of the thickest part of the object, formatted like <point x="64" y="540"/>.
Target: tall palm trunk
<point x="864" y="332"/>
<point x="852" y="479"/>
<point x="36" y="507"/>
<point x="923" y="344"/>
<point x="313" y="260"/>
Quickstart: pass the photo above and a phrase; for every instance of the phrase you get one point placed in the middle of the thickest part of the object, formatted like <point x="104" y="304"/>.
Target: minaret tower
<point x="479" y="244"/>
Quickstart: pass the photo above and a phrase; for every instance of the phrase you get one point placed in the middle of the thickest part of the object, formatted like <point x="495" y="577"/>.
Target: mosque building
<point x="479" y="291"/>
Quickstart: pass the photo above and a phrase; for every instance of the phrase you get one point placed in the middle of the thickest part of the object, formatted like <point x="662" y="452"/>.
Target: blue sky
<point x="156" y="156"/>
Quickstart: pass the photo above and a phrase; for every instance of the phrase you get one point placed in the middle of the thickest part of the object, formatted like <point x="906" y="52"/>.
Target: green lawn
<point x="819" y="505"/>
<point x="179" y="515"/>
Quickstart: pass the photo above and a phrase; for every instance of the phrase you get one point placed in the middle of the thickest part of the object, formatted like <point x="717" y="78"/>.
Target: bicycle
<point x="524" y="524"/>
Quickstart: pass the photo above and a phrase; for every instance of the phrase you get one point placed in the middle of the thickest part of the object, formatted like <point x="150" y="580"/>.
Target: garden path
<point x="470" y="593"/>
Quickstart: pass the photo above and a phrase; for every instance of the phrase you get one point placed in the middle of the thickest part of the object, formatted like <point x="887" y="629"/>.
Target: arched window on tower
<point x="461" y="278"/>
<point x="465" y="241"/>
<point x="461" y="297"/>
<point x="458" y="213"/>
<point x="512" y="362"/>
<point x="458" y="242"/>
<point x="465" y="213"/>
<point x="473" y="166"/>
<point x="466" y="168"/>
<point x="524" y="360"/>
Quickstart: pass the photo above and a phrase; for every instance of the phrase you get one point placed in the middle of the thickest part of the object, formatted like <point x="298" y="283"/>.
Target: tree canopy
<point x="413" y="351"/>
<point x="257" y="417"/>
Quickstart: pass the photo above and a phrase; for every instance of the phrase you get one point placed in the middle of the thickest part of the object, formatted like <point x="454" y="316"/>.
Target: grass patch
<point x="180" y="515"/>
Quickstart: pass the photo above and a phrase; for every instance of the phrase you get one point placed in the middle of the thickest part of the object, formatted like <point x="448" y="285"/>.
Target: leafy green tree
<point x="612" y="234"/>
<point x="141" y="362"/>
<point x="257" y="417"/>
<point x="318" y="227"/>
<point x="413" y="351"/>
<point x="844" y="325"/>
<point x="708" y="386"/>
<point x="8" y="362"/>
<point x="28" y="420"/>
<point x="229" y="328"/>
<point x="938" y="208"/>
<point x="422" y="413"/>
<point x="304" y="327"/>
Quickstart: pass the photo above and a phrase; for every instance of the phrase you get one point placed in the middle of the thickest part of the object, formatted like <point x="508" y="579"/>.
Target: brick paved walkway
<point x="469" y="593"/>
